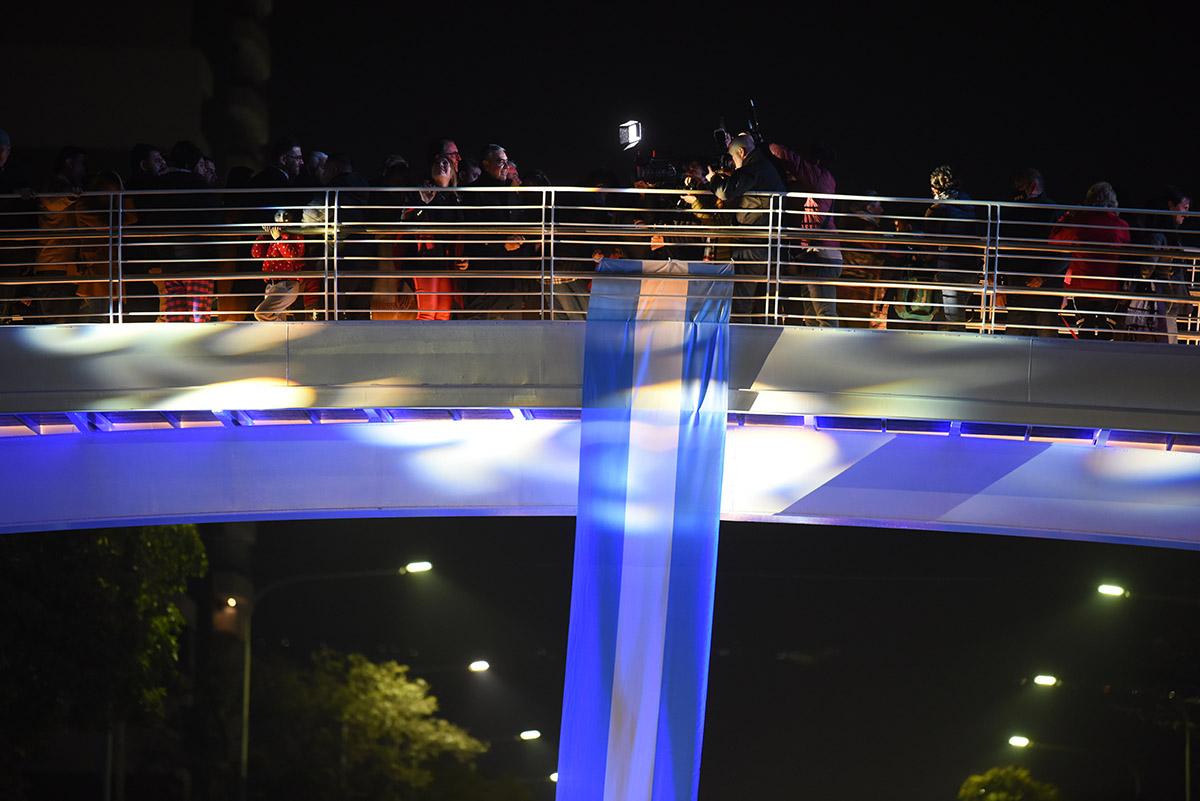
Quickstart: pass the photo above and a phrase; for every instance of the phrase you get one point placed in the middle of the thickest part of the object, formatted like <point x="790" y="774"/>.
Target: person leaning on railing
<point x="946" y="220"/>
<point x="58" y="257"/>
<point x="499" y="247"/>
<point x="1164" y="273"/>
<point x="812" y="257"/>
<point x="1024" y="231"/>
<point x="188" y="297"/>
<point x="437" y="250"/>
<point x="865" y="261"/>
<point x="282" y="252"/>
<point x="753" y="173"/>
<point x="1098" y="227"/>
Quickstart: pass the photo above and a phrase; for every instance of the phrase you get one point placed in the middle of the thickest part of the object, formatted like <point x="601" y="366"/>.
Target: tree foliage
<point x="90" y="633"/>
<point x="350" y="728"/>
<point x="1010" y="783"/>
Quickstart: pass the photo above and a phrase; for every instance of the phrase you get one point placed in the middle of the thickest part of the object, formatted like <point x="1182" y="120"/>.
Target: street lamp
<point x="231" y="602"/>
<point x="479" y="666"/>
<point x="411" y="567"/>
<point x="1019" y="741"/>
<point x="530" y="734"/>
<point x="1045" y="680"/>
<point x="554" y="776"/>
<point x="1113" y="590"/>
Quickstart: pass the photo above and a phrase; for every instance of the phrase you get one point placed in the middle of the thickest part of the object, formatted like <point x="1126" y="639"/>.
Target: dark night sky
<point x="1098" y="93"/>
<point x="847" y="663"/>
<point x="896" y="89"/>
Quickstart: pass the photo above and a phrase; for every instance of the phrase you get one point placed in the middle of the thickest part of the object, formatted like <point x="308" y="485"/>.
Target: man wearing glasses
<point x="499" y="245"/>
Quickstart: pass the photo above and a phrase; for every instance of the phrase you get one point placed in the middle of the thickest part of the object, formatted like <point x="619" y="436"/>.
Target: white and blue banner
<point x="655" y="397"/>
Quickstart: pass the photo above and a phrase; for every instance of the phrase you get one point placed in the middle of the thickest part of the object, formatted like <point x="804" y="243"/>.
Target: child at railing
<point x="282" y="252"/>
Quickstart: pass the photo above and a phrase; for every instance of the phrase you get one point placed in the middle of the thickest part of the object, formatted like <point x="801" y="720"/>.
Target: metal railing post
<point x="779" y="259"/>
<point x="542" y="264"/>
<point x="336" y="237"/>
<point x="325" y="258"/>
<point x="995" y="279"/>
<point x="111" y="251"/>
<point x="120" y="299"/>
<point x="553" y="220"/>
<point x="985" y="302"/>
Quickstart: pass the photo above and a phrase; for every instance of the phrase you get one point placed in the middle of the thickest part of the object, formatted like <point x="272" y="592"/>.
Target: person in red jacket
<point x="282" y="252"/>
<point x="1100" y="229"/>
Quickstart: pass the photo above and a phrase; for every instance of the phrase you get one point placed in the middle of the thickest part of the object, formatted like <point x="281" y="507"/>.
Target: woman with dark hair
<point x="1092" y="270"/>
<point x="437" y="250"/>
<point x="1163" y="274"/>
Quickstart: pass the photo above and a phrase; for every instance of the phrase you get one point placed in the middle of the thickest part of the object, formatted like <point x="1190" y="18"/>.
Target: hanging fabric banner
<point x="655" y="399"/>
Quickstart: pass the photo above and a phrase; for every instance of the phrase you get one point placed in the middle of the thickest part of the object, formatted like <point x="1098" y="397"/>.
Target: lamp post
<point x="247" y="632"/>
<point x="1023" y="742"/>
<point x="1120" y="591"/>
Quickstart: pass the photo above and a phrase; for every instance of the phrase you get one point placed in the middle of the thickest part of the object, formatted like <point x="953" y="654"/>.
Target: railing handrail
<point x="314" y="190"/>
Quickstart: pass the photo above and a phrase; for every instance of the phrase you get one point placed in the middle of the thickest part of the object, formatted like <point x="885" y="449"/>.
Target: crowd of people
<point x="1084" y="272"/>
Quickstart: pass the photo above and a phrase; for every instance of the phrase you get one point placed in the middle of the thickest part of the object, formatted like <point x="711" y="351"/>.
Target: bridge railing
<point x="427" y="253"/>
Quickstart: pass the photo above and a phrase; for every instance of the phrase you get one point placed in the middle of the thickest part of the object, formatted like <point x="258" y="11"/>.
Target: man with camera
<point x="752" y="172"/>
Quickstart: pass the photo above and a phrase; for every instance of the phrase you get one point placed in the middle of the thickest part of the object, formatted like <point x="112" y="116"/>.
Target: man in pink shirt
<point x="810" y="257"/>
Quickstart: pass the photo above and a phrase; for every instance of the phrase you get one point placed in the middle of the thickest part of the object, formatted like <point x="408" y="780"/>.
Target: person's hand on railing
<point x="1034" y="282"/>
<point x="273" y="230"/>
<point x="462" y="265"/>
<point x="514" y="243"/>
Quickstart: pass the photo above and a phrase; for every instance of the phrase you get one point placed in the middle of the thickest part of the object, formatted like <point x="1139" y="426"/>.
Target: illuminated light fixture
<point x="231" y="602"/>
<point x="1112" y="590"/>
<point x="418" y="567"/>
<point x="479" y="666"/>
<point x="630" y="134"/>
<point x="554" y="776"/>
<point x="1045" y="680"/>
<point x="530" y="734"/>
<point x="1019" y="741"/>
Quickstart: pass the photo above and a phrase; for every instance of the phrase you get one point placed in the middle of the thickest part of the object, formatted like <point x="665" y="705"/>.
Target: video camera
<point x="647" y="168"/>
<point x="722" y="136"/>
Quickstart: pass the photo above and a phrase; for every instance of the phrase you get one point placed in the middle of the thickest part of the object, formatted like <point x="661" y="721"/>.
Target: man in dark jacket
<point x="189" y="298"/>
<point x="953" y="263"/>
<point x="753" y="172"/>
<point x="1030" y="265"/>
<point x="285" y="160"/>
<point x="496" y="250"/>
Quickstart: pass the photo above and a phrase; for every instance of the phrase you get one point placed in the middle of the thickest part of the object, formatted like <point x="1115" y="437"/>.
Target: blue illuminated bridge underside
<point x="131" y="424"/>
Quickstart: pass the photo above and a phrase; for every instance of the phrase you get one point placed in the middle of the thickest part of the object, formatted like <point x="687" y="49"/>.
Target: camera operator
<point x="752" y="172"/>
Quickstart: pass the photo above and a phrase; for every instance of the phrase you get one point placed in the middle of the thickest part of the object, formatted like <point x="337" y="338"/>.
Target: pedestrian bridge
<point x="130" y="424"/>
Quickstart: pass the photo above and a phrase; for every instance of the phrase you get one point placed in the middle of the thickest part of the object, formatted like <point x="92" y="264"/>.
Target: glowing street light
<point x="1045" y="680"/>
<point x="479" y="666"/>
<point x="1019" y="741"/>
<point x="417" y="567"/>
<point x="554" y="776"/>
<point x="1113" y="590"/>
<point x="231" y="602"/>
<point x="530" y="734"/>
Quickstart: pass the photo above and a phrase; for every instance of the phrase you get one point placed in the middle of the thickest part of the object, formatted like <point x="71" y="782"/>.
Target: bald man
<point x="752" y="173"/>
